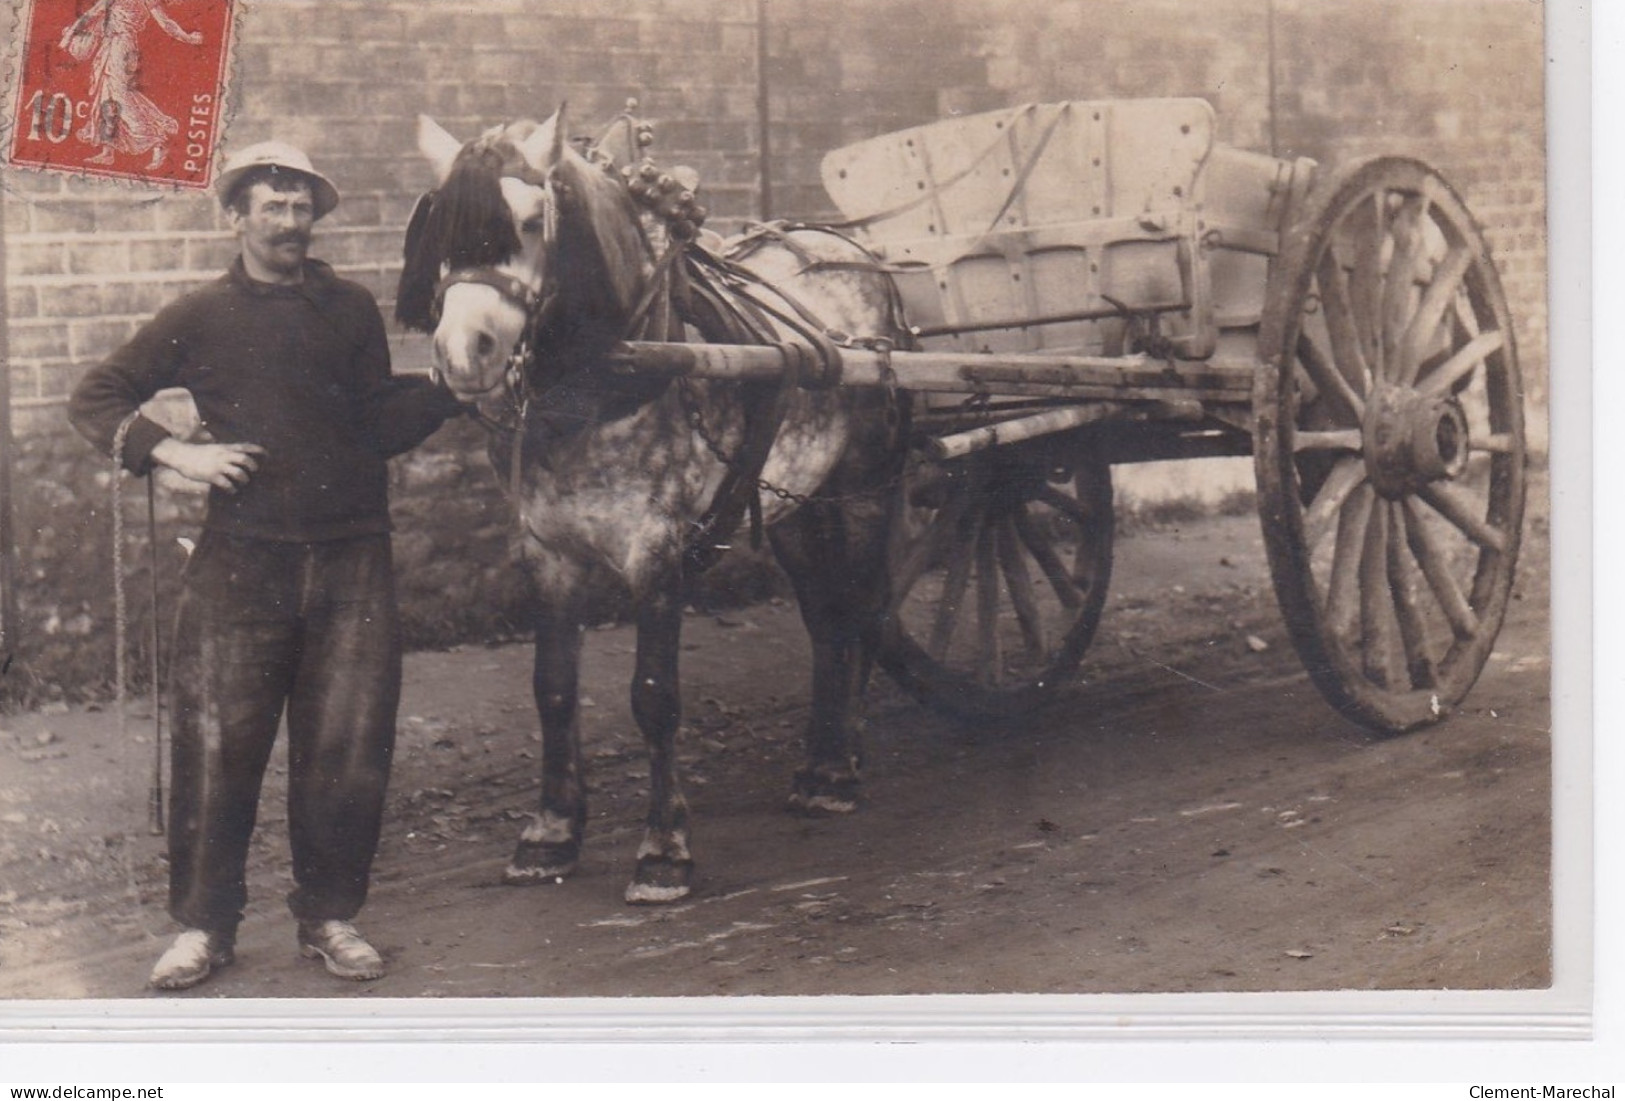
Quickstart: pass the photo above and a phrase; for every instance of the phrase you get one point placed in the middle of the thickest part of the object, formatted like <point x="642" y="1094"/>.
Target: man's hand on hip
<point x="223" y="465"/>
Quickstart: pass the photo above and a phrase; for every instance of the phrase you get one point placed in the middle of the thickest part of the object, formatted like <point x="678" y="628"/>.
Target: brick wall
<point x="1457" y="82"/>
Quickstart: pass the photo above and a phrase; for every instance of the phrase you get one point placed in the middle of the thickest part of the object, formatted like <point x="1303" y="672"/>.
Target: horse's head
<point x="520" y="231"/>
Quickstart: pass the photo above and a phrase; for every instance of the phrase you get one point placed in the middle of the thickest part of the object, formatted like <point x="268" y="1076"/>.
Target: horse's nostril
<point x="484" y="345"/>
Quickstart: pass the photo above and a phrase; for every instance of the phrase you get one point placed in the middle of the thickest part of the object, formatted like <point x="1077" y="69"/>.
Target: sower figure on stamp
<point x="288" y="602"/>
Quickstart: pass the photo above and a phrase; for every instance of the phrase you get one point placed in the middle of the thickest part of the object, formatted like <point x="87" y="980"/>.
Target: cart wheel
<point x="1389" y="443"/>
<point x="999" y="575"/>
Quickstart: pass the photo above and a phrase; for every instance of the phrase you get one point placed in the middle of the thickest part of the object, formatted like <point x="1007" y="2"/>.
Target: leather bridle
<point x="530" y="300"/>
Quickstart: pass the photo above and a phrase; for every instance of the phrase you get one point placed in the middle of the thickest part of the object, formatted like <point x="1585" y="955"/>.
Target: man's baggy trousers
<point x="264" y="626"/>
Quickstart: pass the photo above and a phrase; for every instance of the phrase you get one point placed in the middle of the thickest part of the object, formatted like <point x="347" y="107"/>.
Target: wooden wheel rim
<point x="1389" y="429"/>
<point x="999" y="520"/>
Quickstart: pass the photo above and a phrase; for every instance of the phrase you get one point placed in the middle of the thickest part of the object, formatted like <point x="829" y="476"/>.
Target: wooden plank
<point x="1049" y="422"/>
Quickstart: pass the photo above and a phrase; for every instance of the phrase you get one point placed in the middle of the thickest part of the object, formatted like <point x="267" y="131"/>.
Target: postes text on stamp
<point x="130" y="89"/>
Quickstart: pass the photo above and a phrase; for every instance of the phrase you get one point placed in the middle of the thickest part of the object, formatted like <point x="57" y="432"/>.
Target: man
<point x="288" y="601"/>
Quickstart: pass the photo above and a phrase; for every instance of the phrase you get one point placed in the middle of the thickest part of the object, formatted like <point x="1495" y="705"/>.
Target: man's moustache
<point x="291" y="238"/>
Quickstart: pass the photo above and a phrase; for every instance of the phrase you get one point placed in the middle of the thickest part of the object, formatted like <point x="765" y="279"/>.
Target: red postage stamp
<point x="125" y="88"/>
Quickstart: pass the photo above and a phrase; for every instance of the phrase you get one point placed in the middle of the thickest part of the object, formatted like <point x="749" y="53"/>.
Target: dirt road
<point x="1193" y="819"/>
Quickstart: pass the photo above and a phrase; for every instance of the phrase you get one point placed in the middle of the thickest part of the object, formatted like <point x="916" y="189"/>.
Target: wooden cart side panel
<point x="1014" y="219"/>
<point x="1023" y="230"/>
<point x="1246" y="202"/>
<point x="1039" y="164"/>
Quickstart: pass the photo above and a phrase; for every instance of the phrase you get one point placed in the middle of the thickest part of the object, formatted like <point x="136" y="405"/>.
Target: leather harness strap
<point x="515" y="290"/>
<point x="729" y="319"/>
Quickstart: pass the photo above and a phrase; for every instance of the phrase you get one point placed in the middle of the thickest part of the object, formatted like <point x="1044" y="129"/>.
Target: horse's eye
<point x="534" y="224"/>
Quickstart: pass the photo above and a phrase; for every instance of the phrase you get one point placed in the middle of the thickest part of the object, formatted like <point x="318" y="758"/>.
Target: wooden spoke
<point x="1328" y="503"/>
<point x="1365" y="288"/>
<point x="1501" y="443"/>
<point x="1038" y="545"/>
<point x="961" y="556"/>
<point x="1340" y="327"/>
<point x="1063" y="503"/>
<point x="1435" y="568"/>
<point x="999" y="529"/>
<point x="1019" y="583"/>
<point x="938" y="536"/>
<point x="1454" y="506"/>
<point x="1463" y="322"/>
<point x="1328" y="379"/>
<point x="1375" y="598"/>
<point x="988" y="658"/>
<point x="1412" y="626"/>
<point x="1341" y="439"/>
<point x="1400" y="284"/>
<point x="1440" y="296"/>
<point x="1462" y="363"/>
<point x="1343" y="586"/>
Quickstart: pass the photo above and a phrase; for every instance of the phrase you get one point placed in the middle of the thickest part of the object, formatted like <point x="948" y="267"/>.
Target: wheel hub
<point x="1412" y="439"/>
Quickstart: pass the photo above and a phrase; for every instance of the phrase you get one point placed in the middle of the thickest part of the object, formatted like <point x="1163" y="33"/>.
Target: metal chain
<point x="696" y="421"/>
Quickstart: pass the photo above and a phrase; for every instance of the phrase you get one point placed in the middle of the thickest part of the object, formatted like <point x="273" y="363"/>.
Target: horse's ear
<point x="544" y="148"/>
<point x="439" y="147"/>
<point x="561" y="133"/>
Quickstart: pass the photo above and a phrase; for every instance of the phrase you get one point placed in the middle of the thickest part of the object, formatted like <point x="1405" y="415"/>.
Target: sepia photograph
<point x="780" y="505"/>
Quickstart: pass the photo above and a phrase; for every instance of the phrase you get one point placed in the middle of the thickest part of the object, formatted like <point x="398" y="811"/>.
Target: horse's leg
<point x="836" y="561"/>
<point x="664" y="868"/>
<point x="551" y="845"/>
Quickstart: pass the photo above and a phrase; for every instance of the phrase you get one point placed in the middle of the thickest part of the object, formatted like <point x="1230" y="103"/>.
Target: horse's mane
<point x="602" y="260"/>
<point x="599" y="261"/>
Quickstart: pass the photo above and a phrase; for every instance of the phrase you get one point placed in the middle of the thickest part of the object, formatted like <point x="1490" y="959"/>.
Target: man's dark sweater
<point x="301" y="370"/>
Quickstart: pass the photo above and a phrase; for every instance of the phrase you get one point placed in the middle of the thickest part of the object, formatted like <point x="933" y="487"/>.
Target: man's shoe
<point x="191" y="959"/>
<point x="341" y="948"/>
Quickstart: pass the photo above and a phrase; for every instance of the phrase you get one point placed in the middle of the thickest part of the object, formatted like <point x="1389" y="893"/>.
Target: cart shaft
<point x="1087" y="378"/>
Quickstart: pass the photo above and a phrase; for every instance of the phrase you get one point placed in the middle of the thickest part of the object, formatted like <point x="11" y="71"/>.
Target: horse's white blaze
<point x="477" y="331"/>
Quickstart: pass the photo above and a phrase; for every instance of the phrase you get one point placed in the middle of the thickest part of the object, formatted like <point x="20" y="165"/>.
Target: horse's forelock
<point x="470" y="225"/>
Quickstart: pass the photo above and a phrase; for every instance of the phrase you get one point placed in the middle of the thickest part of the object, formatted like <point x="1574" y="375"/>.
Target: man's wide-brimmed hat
<point x="280" y="156"/>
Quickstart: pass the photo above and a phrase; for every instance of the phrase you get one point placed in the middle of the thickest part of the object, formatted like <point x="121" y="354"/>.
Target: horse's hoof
<point x="818" y="792"/>
<point x="659" y="881"/>
<point x="534" y="863"/>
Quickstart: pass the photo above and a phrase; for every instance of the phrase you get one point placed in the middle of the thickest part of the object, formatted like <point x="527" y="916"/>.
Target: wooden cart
<point x="1093" y="283"/>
